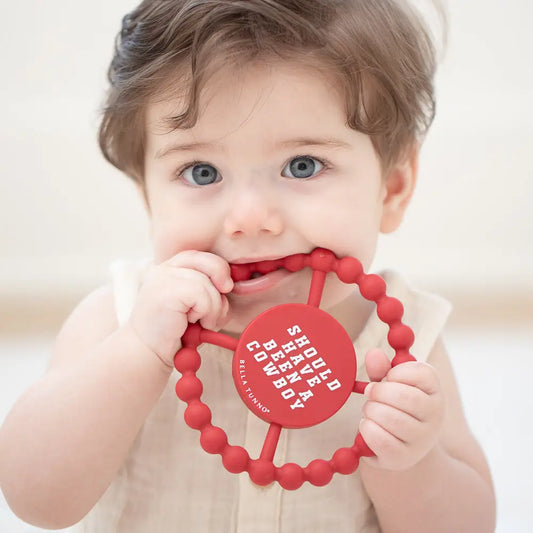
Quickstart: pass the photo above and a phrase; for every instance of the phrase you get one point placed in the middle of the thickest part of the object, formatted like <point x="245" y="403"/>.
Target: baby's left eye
<point x="303" y="167"/>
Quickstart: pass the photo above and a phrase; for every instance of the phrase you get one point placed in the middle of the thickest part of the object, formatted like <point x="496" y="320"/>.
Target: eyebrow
<point x="300" y="141"/>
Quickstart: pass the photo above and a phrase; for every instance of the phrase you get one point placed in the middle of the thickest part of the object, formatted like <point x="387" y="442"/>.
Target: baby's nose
<point x="253" y="212"/>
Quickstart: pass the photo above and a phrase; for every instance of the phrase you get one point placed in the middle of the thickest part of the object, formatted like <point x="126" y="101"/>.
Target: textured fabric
<point x="169" y="484"/>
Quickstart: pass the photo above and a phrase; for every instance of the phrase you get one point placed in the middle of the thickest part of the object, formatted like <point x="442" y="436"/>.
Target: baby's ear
<point x="399" y="186"/>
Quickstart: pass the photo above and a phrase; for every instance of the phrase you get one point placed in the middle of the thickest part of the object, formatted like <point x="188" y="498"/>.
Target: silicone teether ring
<point x="294" y="366"/>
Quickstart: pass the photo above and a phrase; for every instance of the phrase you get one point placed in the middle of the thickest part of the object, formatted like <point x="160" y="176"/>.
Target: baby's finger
<point x="213" y="266"/>
<point x="398" y="423"/>
<point x="406" y="398"/>
<point x="207" y="305"/>
<point x="377" y="364"/>
<point x="416" y="374"/>
<point x="380" y="441"/>
<point x="222" y="319"/>
<point x="216" y="314"/>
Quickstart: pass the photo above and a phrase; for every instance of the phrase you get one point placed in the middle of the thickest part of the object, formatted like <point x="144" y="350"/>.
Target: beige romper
<point x="169" y="484"/>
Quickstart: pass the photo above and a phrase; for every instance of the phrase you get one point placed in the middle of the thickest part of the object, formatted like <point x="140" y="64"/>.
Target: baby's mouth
<point x="249" y="271"/>
<point x="255" y="270"/>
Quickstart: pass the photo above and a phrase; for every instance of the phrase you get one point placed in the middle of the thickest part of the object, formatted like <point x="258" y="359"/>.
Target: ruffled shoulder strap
<point x="126" y="277"/>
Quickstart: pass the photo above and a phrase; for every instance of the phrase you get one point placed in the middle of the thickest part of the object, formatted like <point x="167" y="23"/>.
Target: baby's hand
<point x="403" y="414"/>
<point x="189" y="287"/>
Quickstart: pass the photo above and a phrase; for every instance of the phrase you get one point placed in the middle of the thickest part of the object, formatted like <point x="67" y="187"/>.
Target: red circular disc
<point x="294" y="365"/>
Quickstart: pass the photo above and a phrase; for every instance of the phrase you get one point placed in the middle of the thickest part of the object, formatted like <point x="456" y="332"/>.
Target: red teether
<point x="294" y="366"/>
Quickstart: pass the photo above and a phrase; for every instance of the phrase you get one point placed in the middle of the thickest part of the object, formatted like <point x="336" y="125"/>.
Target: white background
<point x="65" y="213"/>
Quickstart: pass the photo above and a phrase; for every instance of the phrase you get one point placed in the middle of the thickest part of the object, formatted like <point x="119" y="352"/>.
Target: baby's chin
<point x="242" y="310"/>
<point x="242" y="313"/>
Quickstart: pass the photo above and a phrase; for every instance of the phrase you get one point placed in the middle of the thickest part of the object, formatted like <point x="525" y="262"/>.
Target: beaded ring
<point x="294" y="366"/>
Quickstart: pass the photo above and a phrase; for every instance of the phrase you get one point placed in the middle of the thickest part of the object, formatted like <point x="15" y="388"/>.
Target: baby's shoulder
<point x="91" y="321"/>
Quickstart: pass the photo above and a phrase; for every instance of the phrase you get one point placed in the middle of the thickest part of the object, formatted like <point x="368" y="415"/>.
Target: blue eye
<point x="200" y="174"/>
<point x="303" y="167"/>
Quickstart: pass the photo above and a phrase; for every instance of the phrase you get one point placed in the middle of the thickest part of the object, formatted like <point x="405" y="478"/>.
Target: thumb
<point x="377" y="364"/>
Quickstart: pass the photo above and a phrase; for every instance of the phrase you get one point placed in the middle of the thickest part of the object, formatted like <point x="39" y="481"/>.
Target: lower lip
<point x="260" y="284"/>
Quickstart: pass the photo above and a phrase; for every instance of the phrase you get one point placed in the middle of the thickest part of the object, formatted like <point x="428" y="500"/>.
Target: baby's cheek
<point x="351" y="237"/>
<point x="170" y="238"/>
<point x="165" y="246"/>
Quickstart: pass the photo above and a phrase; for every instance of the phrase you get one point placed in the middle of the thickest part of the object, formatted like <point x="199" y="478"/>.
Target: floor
<point x="493" y="367"/>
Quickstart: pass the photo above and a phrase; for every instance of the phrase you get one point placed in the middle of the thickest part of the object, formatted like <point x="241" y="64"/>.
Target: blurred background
<point x="66" y="214"/>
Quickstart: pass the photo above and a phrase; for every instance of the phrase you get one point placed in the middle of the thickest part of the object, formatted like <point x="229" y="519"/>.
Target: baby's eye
<point x="304" y="167"/>
<point x="200" y="174"/>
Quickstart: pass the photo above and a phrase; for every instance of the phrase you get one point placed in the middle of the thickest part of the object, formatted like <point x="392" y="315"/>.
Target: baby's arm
<point x="65" y="439"/>
<point x="429" y="473"/>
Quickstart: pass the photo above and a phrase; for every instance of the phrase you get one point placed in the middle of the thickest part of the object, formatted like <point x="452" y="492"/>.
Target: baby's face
<point x="276" y="172"/>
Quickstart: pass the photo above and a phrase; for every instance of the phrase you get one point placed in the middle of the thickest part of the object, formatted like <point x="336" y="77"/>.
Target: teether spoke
<point x="218" y="339"/>
<point x="360" y="386"/>
<point x="271" y="442"/>
<point x="317" y="288"/>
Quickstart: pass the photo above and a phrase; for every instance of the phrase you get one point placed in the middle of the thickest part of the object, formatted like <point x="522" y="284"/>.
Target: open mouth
<point x="261" y="275"/>
<point x="248" y="271"/>
<point x="254" y="277"/>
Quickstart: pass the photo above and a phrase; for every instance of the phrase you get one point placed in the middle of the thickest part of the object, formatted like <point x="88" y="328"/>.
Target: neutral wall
<point x="65" y="213"/>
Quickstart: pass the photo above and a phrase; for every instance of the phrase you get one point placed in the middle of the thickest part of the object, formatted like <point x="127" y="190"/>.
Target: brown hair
<point x="380" y="52"/>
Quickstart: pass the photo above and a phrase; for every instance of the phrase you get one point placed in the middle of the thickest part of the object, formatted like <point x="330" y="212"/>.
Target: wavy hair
<point x="381" y="53"/>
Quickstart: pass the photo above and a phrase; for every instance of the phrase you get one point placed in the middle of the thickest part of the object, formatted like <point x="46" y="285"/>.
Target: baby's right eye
<point x="200" y="174"/>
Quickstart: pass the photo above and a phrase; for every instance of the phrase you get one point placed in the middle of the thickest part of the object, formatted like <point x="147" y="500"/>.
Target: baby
<point x="254" y="130"/>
